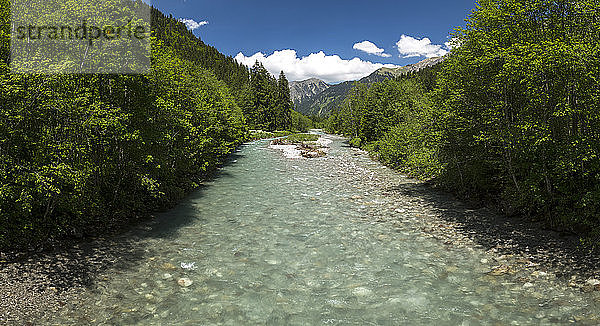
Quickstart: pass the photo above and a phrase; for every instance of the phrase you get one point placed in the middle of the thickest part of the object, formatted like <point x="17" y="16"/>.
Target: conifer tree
<point x="284" y="103"/>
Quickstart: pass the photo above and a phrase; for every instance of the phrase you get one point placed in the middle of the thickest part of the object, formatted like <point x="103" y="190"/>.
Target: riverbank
<point x="517" y="245"/>
<point x="36" y="285"/>
<point x="515" y="251"/>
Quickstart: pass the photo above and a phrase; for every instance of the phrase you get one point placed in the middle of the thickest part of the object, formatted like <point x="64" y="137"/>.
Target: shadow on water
<point x="507" y="235"/>
<point x="81" y="263"/>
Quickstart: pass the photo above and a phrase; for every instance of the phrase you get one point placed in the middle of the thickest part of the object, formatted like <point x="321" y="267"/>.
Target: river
<point x="278" y="241"/>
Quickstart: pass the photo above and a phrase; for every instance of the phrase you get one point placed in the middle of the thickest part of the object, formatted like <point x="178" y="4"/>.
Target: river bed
<point x="280" y="241"/>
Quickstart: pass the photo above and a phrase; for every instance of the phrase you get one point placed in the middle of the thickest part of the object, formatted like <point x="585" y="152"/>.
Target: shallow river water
<point x="278" y="241"/>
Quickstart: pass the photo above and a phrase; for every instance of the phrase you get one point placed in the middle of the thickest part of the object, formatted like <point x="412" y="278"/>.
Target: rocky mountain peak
<point x="301" y="91"/>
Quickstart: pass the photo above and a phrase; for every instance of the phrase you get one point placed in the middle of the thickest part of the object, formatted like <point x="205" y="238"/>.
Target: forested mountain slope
<point x="175" y="35"/>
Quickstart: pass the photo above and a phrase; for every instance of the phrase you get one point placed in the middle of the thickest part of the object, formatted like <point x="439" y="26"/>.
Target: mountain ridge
<point x="322" y="102"/>
<point x="301" y="91"/>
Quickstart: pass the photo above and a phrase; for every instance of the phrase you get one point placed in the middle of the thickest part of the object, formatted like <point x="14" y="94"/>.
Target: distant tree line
<point x="80" y="152"/>
<point x="511" y="117"/>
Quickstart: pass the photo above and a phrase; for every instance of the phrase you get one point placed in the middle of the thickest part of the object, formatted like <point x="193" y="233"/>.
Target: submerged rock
<point x="539" y="274"/>
<point x="312" y="154"/>
<point x="168" y="266"/>
<point x="185" y="282"/>
<point x="591" y="285"/>
<point x="361" y="292"/>
<point x="593" y="282"/>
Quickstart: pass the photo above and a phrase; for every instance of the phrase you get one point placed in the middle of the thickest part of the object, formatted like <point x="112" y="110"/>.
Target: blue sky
<point x="398" y="32"/>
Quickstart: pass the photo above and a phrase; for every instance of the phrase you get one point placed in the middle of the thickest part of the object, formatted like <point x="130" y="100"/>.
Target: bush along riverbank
<point x="261" y="134"/>
<point x="509" y="119"/>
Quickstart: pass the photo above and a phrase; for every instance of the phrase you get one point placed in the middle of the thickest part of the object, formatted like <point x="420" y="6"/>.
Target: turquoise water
<point x="276" y="241"/>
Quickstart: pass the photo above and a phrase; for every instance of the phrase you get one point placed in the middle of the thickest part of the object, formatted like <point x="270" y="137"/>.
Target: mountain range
<point x="314" y="97"/>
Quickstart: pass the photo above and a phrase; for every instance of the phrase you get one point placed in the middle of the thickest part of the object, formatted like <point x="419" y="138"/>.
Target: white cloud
<point x="370" y="48"/>
<point x="330" y="68"/>
<point x="192" y="24"/>
<point x="409" y="47"/>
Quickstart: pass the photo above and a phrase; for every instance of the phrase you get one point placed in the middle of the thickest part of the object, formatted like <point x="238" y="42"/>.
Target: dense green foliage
<point x="301" y="123"/>
<point x="261" y="134"/>
<point x="302" y="137"/>
<point x="512" y="116"/>
<point x="267" y="103"/>
<point x="79" y="152"/>
<point x="389" y="118"/>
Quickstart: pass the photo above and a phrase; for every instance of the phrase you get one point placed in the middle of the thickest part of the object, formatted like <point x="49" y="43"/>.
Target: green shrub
<point x="355" y="142"/>
<point x="296" y="138"/>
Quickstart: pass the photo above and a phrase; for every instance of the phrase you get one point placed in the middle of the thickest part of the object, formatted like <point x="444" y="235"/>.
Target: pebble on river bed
<point x="361" y="292"/>
<point x="184" y="281"/>
<point x="539" y="274"/>
<point x="593" y="282"/>
<point x="168" y="266"/>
